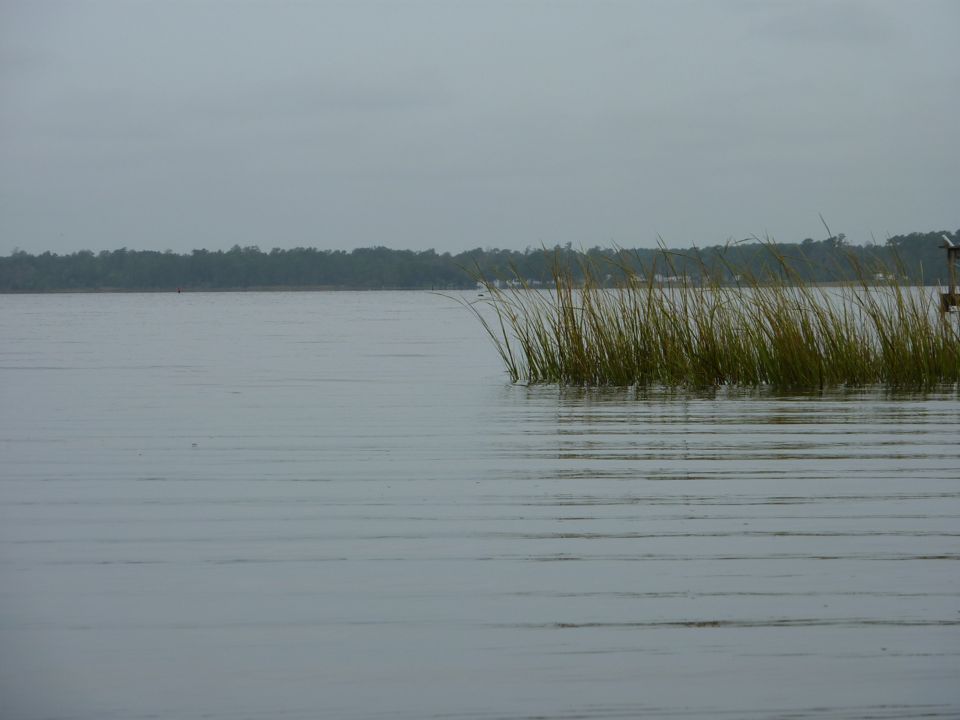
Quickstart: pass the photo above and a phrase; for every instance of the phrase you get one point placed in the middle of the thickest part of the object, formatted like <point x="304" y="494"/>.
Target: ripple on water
<point x="332" y="505"/>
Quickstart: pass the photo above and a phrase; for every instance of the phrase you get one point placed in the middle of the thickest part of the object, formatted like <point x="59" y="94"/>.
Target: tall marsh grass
<point x="769" y="329"/>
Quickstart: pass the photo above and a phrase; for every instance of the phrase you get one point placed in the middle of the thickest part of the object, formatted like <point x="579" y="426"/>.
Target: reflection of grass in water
<point x="771" y="328"/>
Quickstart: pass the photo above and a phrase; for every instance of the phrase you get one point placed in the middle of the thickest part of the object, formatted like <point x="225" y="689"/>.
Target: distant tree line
<point x="916" y="258"/>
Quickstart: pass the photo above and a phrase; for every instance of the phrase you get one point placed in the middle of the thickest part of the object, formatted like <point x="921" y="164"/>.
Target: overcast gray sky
<point x="452" y="125"/>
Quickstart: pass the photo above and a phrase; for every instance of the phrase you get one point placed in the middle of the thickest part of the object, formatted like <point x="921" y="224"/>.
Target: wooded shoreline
<point x="916" y="258"/>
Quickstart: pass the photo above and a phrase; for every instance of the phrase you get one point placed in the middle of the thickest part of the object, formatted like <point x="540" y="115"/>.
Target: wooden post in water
<point x="951" y="298"/>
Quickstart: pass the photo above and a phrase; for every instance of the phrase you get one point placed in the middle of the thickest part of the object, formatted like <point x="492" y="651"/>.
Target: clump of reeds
<point x="770" y="328"/>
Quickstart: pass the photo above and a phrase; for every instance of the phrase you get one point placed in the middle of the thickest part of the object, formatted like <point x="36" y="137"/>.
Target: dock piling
<point x="950" y="299"/>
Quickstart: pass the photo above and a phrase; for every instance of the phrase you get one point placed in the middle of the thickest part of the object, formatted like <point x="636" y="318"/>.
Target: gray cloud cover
<point x="462" y="124"/>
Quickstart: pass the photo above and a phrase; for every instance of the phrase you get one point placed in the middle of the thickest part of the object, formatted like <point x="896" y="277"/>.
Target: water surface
<point x="333" y="505"/>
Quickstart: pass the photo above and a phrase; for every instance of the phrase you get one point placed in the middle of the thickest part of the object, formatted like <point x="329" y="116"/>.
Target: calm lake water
<point x="333" y="505"/>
